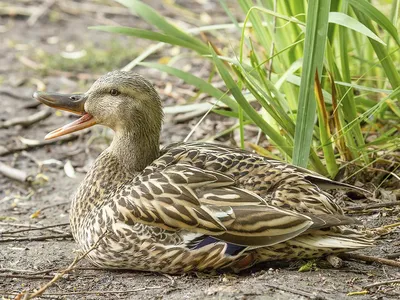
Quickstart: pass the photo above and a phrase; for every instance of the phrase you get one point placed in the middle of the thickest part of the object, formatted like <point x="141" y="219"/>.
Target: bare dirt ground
<point x="33" y="36"/>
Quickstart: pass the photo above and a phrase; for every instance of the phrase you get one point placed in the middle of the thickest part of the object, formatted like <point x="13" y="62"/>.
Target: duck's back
<point x="204" y="206"/>
<point x="280" y="184"/>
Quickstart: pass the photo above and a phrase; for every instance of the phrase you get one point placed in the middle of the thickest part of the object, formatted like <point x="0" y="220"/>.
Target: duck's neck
<point x="134" y="151"/>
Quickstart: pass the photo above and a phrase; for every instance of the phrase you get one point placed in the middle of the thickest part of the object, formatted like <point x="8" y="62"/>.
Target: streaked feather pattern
<point x="203" y="206"/>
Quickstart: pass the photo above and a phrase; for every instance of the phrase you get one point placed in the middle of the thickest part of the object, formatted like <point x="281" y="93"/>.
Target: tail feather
<point x="334" y="241"/>
<point x="312" y="245"/>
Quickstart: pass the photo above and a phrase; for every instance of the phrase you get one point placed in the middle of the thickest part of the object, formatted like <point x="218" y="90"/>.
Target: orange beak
<point x="74" y="103"/>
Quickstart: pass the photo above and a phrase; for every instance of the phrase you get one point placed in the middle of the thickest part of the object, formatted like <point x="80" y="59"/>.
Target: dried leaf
<point x="41" y="176"/>
<point x="28" y="142"/>
<point x="307" y="267"/>
<point x="164" y="60"/>
<point x="40" y="86"/>
<point x="52" y="161"/>
<point x="35" y="214"/>
<point x="262" y="151"/>
<point x="6" y="218"/>
<point x="40" y="179"/>
<point x="365" y="292"/>
<point x="69" y="169"/>
<point x="178" y="109"/>
<point x="335" y="261"/>
<point x="74" y="55"/>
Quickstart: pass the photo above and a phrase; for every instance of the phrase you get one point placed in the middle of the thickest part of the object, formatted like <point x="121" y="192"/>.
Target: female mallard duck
<point x="191" y="206"/>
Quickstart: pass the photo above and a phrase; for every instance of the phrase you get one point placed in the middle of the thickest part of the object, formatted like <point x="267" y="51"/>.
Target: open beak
<point x="74" y="103"/>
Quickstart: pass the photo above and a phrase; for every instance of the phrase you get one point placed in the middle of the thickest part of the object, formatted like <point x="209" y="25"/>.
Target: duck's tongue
<point x="70" y="102"/>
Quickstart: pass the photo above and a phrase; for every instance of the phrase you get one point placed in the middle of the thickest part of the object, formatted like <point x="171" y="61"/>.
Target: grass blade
<point x="315" y="40"/>
<point x="351" y="23"/>
<point x="324" y="129"/>
<point x="369" y="11"/>
<point x="386" y="60"/>
<point x="275" y="136"/>
<point x="152" y="35"/>
<point x="154" y="18"/>
<point x="201" y="84"/>
<point x="344" y="152"/>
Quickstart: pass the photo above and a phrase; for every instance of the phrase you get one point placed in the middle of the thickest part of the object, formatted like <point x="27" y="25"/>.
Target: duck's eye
<point x="114" y="92"/>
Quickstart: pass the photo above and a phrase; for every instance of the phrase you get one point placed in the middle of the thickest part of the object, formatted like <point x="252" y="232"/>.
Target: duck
<point x="191" y="206"/>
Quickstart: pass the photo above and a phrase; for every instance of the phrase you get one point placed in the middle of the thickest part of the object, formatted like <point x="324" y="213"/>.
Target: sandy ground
<point x="47" y="201"/>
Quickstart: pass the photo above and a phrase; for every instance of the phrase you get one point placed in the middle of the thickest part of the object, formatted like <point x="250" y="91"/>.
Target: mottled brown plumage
<point x="192" y="206"/>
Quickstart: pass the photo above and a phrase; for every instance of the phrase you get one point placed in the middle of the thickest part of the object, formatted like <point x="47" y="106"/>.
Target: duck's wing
<point x="215" y="151"/>
<point x="327" y="184"/>
<point x="183" y="197"/>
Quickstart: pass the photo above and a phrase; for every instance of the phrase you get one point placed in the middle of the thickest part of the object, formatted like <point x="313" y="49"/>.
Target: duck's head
<point x="123" y="101"/>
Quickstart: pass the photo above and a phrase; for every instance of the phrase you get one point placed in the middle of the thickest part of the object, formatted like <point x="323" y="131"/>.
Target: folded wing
<point x="184" y="197"/>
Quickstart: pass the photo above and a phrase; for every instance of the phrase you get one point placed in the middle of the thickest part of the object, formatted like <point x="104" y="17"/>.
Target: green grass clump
<point x="325" y="75"/>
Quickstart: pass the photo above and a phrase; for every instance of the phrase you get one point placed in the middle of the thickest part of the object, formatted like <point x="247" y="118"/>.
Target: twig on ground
<point x="16" y="224"/>
<point x="14" y="173"/>
<point x="10" y="92"/>
<point x="77" y="259"/>
<point x="106" y="292"/>
<point x="190" y="115"/>
<point x="372" y="206"/>
<point x="62" y="139"/>
<point x="367" y="258"/>
<point x="379" y="283"/>
<point x="31" y="104"/>
<point x="368" y="212"/>
<point x="102" y="19"/>
<point x="55" y="205"/>
<point x="35" y="228"/>
<point x="89" y="268"/>
<point x="358" y="293"/>
<point x="296" y="292"/>
<point x="170" y="278"/>
<point x="34" y="159"/>
<point x="26" y="272"/>
<point x="383" y="230"/>
<point x="100" y="292"/>
<point x="27" y="121"/>
<point x="27" y="226"/>
<point x="26" y="276"/>
<point x="393" y="225"/>
<point x="16" y="11"/>
<point x="30" y="63"/>
<point x="36" y="238"/>
<point x="393" y="255"/>
<point x="40" y="11"/>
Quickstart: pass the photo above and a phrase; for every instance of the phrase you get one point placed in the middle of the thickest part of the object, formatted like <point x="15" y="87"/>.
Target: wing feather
<point x="208" y="202"/>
